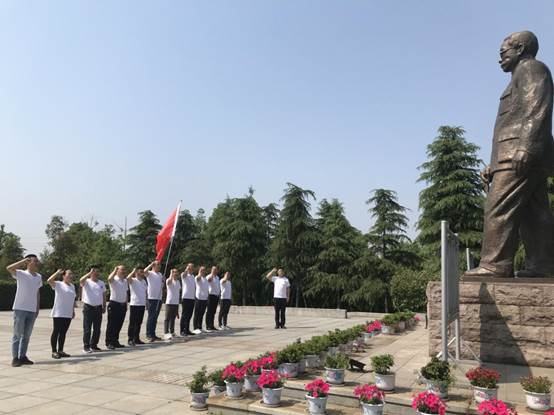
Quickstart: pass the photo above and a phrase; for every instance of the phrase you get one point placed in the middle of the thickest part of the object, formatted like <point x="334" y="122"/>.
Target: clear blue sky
<point x="112" y="107"/>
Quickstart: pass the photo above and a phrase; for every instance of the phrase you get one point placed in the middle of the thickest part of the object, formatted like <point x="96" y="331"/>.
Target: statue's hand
<point x="486" y="175"/>
<point x="520" y="162"/>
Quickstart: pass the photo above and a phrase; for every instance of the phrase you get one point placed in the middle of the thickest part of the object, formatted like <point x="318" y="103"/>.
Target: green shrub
<point x="335" y="338"/>
<point x="338" y="361"/>
<point x="390" y="320"/>
<point x="7" y="295"/>
<point x="536" y="384"/>
<point x="199" y="381"/>
<point x="291" y="354"/>
<point x="382" y="364"/>
<point x="438" y="371"/>
<point x="408" y="290"/>
<point x="320" y="343"/>
<point x="215" y="377"/>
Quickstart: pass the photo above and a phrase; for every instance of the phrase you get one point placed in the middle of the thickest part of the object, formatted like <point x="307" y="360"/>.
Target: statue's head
<point x="517" y="46"/>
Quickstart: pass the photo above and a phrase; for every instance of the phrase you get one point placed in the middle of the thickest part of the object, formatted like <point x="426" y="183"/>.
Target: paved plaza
<point x="149" y="379"/>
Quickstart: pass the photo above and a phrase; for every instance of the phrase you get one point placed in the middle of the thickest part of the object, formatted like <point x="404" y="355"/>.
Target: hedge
<point x="7" y="295"/>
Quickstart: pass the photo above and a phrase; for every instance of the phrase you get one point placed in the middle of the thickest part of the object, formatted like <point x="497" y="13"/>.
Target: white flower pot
<point x="289" y="370"/>
<point x="368" y="409"/>
<point x="366" y="337"/>
<point x="317" y="405"/>
<point x="198" y="400"/>
<point x="423" y="413"/>
<point x="331" y="351"/>
<point x="484" y="394"/>
<point x="401" y="325"/>
<point x="437" y="388"/>
<point x="334" y="376"/>
<point x="271" y="397"/>
<point x="302" y="366"/>
<point x="218" y="390"/>
<point x="537" y="401"/>
<point x="234" y="389"/>
<point x="312" y="361"/>
<point x="387" y="329"/>
<point x="250" y="384"/>
<point x="385" y="382"/>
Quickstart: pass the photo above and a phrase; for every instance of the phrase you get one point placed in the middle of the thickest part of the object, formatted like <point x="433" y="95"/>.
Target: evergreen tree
<point x="10" y="250"/>
<point x="192" y="244"/>
<point x="454" y="191"/>
<point x="330" y="276"/>
<point x="295" y="242"/>
<point x="142" y="239"/>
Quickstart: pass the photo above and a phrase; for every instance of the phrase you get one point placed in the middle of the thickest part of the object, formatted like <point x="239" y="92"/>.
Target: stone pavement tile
<point x="10" y="381"/>
<point x="6" y="395"/>
<point x="67" y="378"/>
<point x="98" y="382"/>
<point x="60" y="391"/>
<point x="102" y="411"/>
<point x="55" y="408"/>
<point x="135" y="403"/>
<point x="21" y="402"/>
<point x="172" y="408"/>
<point x="27" y="387"/>
<point x="170" y="392"/>
<point x="95" y="397"/>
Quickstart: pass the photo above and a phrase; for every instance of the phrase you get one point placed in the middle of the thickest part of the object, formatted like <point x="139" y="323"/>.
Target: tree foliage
<point x="142" y="239"/>
<point x="10" y="250"/>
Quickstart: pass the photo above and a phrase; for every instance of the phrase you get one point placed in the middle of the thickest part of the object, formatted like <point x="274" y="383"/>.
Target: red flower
<point x="428" y="403"/>
<point x="483" y="378"/>
<point x="495" y="407"/>
<point x="318" y="388"/>
<point x="252" y="367"/>
<point x="271" y="380"/>
<point x="232" y="373"/>
<point x="369" y="394"/>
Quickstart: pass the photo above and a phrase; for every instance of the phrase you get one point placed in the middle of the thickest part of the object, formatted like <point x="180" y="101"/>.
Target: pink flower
<point x="551" y="412"/>
<point x="428" y="403"/>
<point x="271" y="380"/>
<point x="232" y="373"/>
<point x="318" y="388"/>
<point x="369" y="394"/>
<point x="495" y="407"/>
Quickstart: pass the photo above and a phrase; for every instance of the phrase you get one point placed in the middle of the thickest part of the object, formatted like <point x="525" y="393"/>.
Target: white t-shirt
<point x="213" y="286"/>
<point x="280" y="285"/>
<point x="173" y="287"/>
<point x="64" y="300"/>
<point x="189" y="286"/>
<point x="226" y="290"/>
<point x="202" y="289"/>
<point x="155" y="284"/>
<point x="118" y="289"/>
<point x="27" y="289"/>
<point x="138" y="291"/>
<point x="93" y="292"/>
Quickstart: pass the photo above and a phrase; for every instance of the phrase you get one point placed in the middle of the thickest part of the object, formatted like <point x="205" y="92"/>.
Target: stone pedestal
<point x="508" y="320"/>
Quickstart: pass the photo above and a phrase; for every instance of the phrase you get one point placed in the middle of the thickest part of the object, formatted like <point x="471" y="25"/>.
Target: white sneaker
<point x="221" y="328"/>
<point x="168" y="336"/>
<point x="208" y="331"/>
<point x="197" y="331"/>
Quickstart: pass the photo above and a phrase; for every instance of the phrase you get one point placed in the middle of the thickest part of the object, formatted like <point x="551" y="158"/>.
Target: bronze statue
<point x="521" y="161"/>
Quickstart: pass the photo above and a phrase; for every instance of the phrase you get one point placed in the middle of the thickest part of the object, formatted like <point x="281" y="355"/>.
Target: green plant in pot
<point x="335" y="368"/>
<point x="438" y="375"/>
<point x="388" y="324"/>
<point x="288" y="359"/>
<point x="537" y="392"/>
<point x="198" y="389"/>
<point x="382" y="364"/>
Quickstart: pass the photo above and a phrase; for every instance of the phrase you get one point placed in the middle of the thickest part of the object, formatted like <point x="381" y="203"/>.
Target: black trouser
<point x="213" y="300"/>
<point x="199" y="310"/>
<point x="92" y="319"/>
<point x="223" y="312"/>
<point x="116" y="317"/>
<point x="280" y="305"/>
<point x="57" y="340"/>
<point x="171" y="311"/>
<point x="186" y="315"/>
<point x="136" y="315"/>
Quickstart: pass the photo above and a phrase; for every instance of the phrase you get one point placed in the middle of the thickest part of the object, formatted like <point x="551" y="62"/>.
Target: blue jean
<point x="23" y="322"/>
<point x="154" y="307"/>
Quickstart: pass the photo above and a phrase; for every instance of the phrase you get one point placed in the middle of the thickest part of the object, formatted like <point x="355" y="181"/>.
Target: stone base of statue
<point x="504" y="320"/>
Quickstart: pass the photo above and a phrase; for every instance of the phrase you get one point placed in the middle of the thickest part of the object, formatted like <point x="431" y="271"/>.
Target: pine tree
<point x="454" y="191"/>
<point x="10" y="250"/>
<point x="329" y="277"/>
<point x="142" y="239"/>
<point x="295" y="242"/>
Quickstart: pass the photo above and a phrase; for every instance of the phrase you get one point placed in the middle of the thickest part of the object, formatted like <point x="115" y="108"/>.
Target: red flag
<point x="166" y="233"/>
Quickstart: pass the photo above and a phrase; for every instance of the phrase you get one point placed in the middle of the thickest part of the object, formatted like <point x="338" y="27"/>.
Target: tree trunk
<point x="297" y="301"/>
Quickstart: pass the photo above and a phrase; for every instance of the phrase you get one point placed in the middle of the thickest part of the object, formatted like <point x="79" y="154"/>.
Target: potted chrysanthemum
<point x="388" y="324"/>
<point x="537" y="392"/>
<point x="428" y="403"/>
<point x="438" y="376"/>
<point x="198" y="390"/>
<point x="495" y="407"/>
<point x="316" y="396"/>
<point x="335" y="368"/>
<point x="288" y="359"/>
<point x="252" y="371"/>
<point x="271" y="383"/>
<point x="218" y="384"/>
<point x="372" y="399"/>
<point x="233" y="376"/>
<point x="384" y="377"/>
<point x="484" y="382"/>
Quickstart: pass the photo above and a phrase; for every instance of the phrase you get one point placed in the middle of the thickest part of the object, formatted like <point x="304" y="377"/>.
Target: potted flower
<point x="371" y="330"/>
<point x="384" y="378"/>
<point x="428" y="403"/>
<point x="372" y="399"/>
<point x="402" y="319"/>
<point x="495" y="407"/>
<point x="438" y="376"/>
<point x="218" y="384"/>
<point x="387" y="324"/>
<point x="233" y="376"/>
<point x="271" y="383"/>
<point x="311" y="352"/>
<point x="316" y="396"/>
<point x="484" y="382"/>
<point x="322" y="344"/>
<point x="537" y="392"/>
<point x="198" y="390"/>
<point x="268" y="361"/>
<point x="287" y="360"/>
<point x="335" y="367"/>
<point x="334" y="341"/>
<point x="252" y="371"/>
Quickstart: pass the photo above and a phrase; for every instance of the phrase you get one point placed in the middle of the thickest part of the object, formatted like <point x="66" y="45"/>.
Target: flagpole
<point x="172" y="237"/>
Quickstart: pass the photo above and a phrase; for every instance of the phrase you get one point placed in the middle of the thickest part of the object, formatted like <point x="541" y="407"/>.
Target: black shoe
<point x="119" y="346"/>
<point x="110" y="347"/>
<point x="55" y="355"/>
<point x="151" y="339"/>
<point x="87" y="350"/>
<point x="131" y="343"/>
<point x="16" y="362"/>
<point x="283" y="327"/>
<point x="156" y="338"/>
<point x="95" y="349"/>
<point x="139" y="341"/>
<point x="277" y="327"/>
<point x="64" y="354"/>
<point x="190" y="333"/>
<point x="25" y="361"/>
